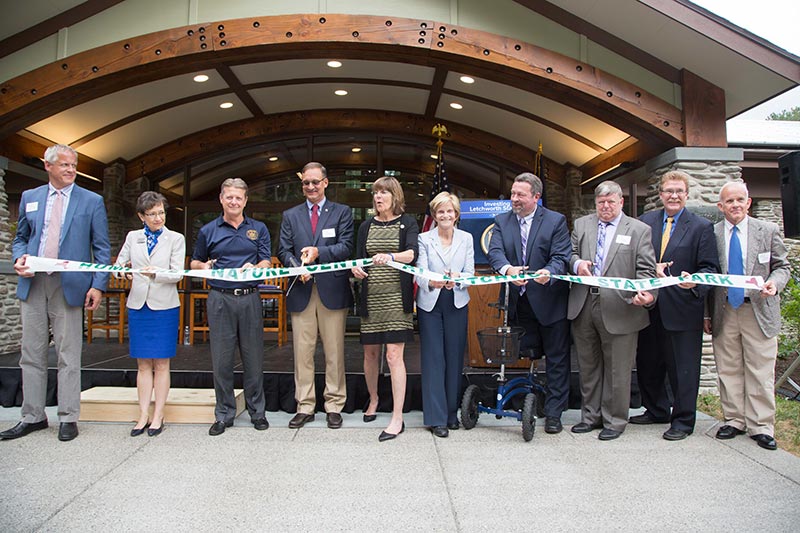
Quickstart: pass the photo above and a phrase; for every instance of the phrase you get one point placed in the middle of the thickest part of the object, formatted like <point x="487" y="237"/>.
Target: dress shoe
<point x="552" y="425"/>
<point x="765" y="441"/>
<point x="370" y="418"/>
<point x="609" y="434"/>
<point x="300" y="420"/>
<point x="135" y="432"/>
<point x="218" y="427"/>
<point x="452" y="426"/>
<point x="646" y="419"/>
<point x="728" y="432"/>
<point x="389" y="436"/>
<point x="153" y="432"/>
<point x="440" y="431"/>
<point x="675" y="434"/>
<point x="22" y="429"/>
<point x="67" y="431"/>
<point x="334" y="420"/>
<point x="583" y="427"/>
<point x="261" y="424"/>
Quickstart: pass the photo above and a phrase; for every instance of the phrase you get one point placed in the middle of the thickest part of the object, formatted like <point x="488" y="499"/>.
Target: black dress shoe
<point x="552" y="425"/>
<point x="153" y="432"/>
<point x="609" y="434"/>
<point x="583" y="427"/>
<point x="22" y="429"/>
<point x="675" y="434"/>
<point x="67" y="431"/>
<point x="218" y="427"/>
<point x="646" y="419"/>
<point x="334" y="420"/>
<point x="440" y="431"/>
<point x="389" y="436"/>
<point x="765" y="441"/>
<point x="135" y="432"/>
<point x="370" y="418"/>
<point x="452" y="426"/>
<point x="300" y="420"/>
<point x="728" y="432"/>
<point x="261" y="424"/>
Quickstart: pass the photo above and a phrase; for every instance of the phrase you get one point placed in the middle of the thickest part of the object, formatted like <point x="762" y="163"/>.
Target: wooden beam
<point x="19" y="148"/>
<point x="435" y="94"/>
<point x="703" y="111"/>
<point x="631" y="151"/>
<point x="239" y="90"/>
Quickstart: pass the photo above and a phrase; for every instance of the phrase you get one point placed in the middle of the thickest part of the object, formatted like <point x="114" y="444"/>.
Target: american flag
<point x="439" y="184"/>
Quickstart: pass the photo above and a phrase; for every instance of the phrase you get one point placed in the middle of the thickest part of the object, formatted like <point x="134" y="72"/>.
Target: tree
<point x="786" y="114"/>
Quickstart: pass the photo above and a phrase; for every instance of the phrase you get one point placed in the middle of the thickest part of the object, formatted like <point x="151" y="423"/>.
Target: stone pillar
<point x="10" y="323"/>
<point x="574" y="200"/>
<point x="709" y="169"/>
<point x="113" y="188"/>
<point x="131" y="193"/>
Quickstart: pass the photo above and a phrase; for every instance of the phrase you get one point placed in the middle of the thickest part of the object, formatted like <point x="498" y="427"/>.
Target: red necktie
<point x="314" y="218"/>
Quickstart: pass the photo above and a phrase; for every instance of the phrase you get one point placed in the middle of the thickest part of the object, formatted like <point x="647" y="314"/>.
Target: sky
<point x="777" y="21"/>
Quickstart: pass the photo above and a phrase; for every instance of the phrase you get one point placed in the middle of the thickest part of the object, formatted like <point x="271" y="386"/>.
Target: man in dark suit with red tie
<point x="671" y="346"/>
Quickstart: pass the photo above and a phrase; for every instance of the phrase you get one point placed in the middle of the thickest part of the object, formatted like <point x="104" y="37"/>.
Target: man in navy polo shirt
<point x="234" y="308"/>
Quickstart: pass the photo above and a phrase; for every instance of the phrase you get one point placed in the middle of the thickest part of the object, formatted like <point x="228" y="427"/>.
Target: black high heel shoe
<point x="369" y="418"/>
<point x="152" y="432"/>
<point x="389" y="436"/>
<point x="136" y="432"/>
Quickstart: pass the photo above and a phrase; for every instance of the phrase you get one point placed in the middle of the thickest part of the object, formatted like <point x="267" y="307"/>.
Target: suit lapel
<point x="324" y="215"/>
<point x="41" y="199"/>
<point x="74" y="199"/>
<point x="622" y="229"/>
<point x="679" y="232"/>
<point x="719" y="233"/>
<point x="753" y="239"/>
<point x="536" y="225"/>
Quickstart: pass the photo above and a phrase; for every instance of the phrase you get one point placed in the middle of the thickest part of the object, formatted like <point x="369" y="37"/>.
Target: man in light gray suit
<point x="606" y="322"/>
<point x="745" y="323"/>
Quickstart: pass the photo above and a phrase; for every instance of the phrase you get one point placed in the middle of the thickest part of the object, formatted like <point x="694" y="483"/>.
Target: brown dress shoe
<point x="334" y="420"/>
<point x="300" y="420"/>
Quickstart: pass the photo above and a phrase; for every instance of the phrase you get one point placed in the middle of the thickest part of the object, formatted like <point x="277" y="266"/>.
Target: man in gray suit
<point x="745" y="323"/>
<point x="59" y="220"/>
<point x="606" y="322"/>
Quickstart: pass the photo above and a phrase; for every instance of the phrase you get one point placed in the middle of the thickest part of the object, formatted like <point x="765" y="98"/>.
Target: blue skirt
<point x="154" y="334"/>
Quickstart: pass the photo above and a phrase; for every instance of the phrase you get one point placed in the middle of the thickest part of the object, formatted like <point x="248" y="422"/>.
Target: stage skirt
<point x="153" y="334"/>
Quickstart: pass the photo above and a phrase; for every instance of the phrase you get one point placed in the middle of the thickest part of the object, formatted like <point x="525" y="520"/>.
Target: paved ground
<point x="316" y="479"/>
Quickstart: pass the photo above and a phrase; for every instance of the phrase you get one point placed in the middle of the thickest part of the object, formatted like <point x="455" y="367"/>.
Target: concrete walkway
<point x="316" y="479"/>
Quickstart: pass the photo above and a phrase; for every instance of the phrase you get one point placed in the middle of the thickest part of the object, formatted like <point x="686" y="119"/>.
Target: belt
<point x="236" y="292"/>
<point x="594" y="290"/>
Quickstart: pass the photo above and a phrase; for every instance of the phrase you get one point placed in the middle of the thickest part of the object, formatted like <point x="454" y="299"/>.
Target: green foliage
<point x="792" y="114"/>
<point x="788" y="342"/>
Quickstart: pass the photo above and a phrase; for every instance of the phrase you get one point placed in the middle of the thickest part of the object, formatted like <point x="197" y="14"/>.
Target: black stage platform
<point x="106" y="363"/>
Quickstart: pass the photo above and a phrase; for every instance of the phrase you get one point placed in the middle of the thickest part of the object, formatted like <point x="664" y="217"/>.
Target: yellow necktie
<point x="665" y="237"/>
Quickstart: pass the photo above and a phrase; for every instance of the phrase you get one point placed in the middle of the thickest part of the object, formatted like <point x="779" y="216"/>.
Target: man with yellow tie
<point x="669" y="349"/>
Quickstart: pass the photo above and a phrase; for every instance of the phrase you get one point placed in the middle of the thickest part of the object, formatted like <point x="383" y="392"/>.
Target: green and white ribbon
<point x="42" y="264"/>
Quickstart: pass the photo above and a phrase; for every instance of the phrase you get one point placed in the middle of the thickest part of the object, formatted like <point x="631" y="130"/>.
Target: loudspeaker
<point x="789" y="167"/>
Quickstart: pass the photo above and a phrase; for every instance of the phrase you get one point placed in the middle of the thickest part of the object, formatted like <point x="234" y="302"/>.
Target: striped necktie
<point x="665" y="237"/>
<point x="600" y="255"/>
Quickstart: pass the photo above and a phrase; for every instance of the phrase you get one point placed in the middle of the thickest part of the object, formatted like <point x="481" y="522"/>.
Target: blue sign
<point x="477" y="218"/>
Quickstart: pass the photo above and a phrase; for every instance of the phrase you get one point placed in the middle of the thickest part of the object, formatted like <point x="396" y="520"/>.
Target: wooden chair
<point x="182" y="290"/>
<point x="114" y="318"/>
<point x="273" y="294"/>
<point x="198" y="316"/>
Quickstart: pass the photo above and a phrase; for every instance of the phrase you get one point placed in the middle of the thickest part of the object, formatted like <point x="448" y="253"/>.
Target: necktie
<point x="314" y="218"/>
<point x="523" y="237"/>
<point x="665" y="237"/>
<point x="599" y="255"/>
<point x="735" y="266"/>
<point x="54" y="227"/>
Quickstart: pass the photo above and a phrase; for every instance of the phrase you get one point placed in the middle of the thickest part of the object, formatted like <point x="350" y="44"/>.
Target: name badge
<point x="30" y="207"/>
<point x="763" y="258"/>
<point x="328" y="233"/>
<point x="623" y="239"/>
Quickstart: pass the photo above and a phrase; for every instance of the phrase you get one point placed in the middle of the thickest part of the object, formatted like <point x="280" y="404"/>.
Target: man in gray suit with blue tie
<point x="59" y="220"/>
<point x="318" y="231"/>
<point x="745" y="324"/>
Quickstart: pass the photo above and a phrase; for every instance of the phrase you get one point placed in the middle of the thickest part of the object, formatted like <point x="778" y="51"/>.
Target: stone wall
<point x="10" y="323"/>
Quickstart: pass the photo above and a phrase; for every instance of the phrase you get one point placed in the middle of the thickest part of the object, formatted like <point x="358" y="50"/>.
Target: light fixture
<point x="226" y="105"/>
<point x="200" y="78"/>
<point x="434" y="156"/>
<point x="273" y="158"/>
<point x="610" y="173"/>
<point x="340" y="92"/>
<point x="467" y="79"/>
<point x="456" y="105"/>
<point x="355" y="149"/>
<point x="334" y="64"/>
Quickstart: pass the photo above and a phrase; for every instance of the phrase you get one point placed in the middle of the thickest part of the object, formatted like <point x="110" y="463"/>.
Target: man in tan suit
<point x="606" y="322"/>
<point x="745" y="323"/>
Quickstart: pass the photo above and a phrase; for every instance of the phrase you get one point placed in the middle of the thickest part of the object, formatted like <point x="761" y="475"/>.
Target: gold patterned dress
<point x="386" y="322"/>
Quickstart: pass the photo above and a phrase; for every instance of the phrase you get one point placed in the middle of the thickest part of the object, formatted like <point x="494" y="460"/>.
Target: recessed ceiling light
<point x="200" y="78"/>
<point x="434" y="156"/>
<point x="456" y="105"/>
<point x="226" y="105"/>
<point x="273" y="158"/>
<point x="355" y="149"/>
<point x="467" y="79"/>
<point x="334" y="64"/>
<point x="340" y="92"/>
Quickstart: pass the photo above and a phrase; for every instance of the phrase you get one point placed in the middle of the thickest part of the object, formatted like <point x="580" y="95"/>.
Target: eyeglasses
<point x="151" y="216"/>
<point x="65" y="166"/>
<point x="671" y="192"/>
<point x="311" y="183"/>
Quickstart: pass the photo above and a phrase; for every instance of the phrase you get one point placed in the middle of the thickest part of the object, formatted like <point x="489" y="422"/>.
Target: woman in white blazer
<point x="442" y="313"/>
<point x="153" y="305"/>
